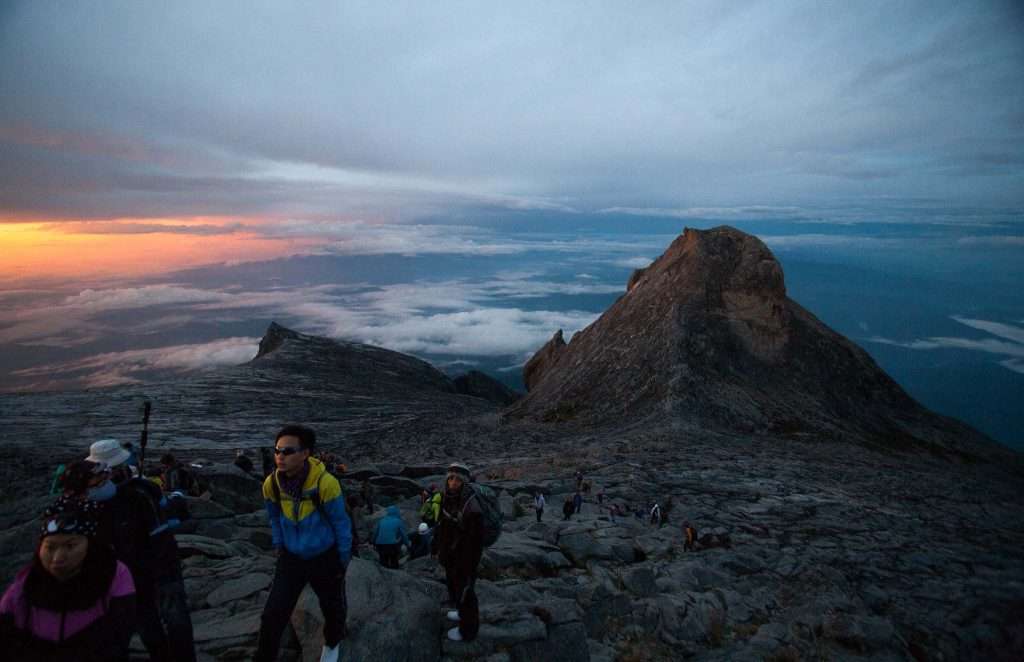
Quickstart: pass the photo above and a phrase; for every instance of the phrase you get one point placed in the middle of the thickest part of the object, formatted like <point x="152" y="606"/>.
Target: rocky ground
<point x="814" y="551"/>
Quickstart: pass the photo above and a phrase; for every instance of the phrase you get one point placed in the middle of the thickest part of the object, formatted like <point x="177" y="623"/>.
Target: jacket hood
<point x="316" y="469"/>
<point x="393" y="512"/>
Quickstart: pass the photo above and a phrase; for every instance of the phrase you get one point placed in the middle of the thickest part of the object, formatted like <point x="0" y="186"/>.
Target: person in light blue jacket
<point x="389" y="538"/>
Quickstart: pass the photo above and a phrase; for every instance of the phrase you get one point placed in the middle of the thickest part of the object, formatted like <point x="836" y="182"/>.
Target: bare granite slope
<point x="707" y="336"/>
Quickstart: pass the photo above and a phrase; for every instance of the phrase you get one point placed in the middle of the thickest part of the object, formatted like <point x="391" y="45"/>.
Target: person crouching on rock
<point x="420" y="541"/>
<point x="312" y="535"/>
<point x="459" y="545"/>
<point x="389" y="538"/>
<point x="75" y="601"/>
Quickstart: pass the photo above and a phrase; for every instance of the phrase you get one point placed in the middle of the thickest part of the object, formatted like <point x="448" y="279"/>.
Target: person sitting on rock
<point x="176" y="478"/>
<point x="142" y="536"/>
<point x="243" y="461"/>
<point x="389" y="537"/>
<point x="75" y="600"/>
<point x="459" y="544"/>
<point x="420" y="541"/>
<point x="312" y="534"/>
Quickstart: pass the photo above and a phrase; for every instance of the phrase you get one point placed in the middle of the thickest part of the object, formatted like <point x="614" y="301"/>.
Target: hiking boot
<point x="454" y="634"/>
<point x="453" y="616"/>
<point x="330" y="654"/>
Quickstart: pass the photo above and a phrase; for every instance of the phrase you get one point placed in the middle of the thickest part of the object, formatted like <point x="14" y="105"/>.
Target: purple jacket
<point x="98" y="633"/>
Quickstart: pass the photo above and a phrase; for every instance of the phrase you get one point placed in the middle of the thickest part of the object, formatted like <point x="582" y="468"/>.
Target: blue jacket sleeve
<point x="342" y="525"/>
<point x="273" y="513"/>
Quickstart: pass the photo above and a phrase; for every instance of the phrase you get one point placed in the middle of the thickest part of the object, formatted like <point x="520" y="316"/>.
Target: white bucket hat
<point x="423" y="527"/>
<point x="108" y="452"/>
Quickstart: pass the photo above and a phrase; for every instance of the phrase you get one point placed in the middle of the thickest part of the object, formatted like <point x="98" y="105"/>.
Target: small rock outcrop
<point x="706" y="335"/>
<point x="542" y="362"/>
<point x="480" y="385"/>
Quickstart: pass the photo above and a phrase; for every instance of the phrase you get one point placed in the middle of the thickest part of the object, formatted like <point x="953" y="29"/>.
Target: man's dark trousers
<point x="462" y="589"/>
<point x="540" y="513"/>
<point x="389" y="555"/>
<point x="327" y="577"/>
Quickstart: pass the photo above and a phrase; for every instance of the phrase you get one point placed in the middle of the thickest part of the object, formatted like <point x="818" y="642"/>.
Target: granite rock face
<point x="707" y="335"/>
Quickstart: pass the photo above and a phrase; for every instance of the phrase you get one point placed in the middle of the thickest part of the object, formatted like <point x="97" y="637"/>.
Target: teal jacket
<point x="302" y="528"/>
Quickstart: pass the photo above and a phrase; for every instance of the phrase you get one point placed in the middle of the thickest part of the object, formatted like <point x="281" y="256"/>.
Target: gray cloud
<point x="356" y="111"/>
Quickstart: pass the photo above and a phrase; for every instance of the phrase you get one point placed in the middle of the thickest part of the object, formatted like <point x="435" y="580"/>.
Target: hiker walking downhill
<point x="568" y="508"/>
<point x="51" y="612"/>
<point x="142" y="537"/>
<point x="312" y="534"/>
<point x="538" y="505"/>
<point x="389" y="538"/>
<point x="459" y="545"/>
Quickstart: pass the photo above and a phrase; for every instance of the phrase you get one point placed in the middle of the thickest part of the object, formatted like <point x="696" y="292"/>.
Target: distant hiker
<point x="366" y="491"/>
<point x="600" y="496"/>
<point x="141" y="534"/>
<point x="586" y="487"/>
<point x="655" y="513"/>
<point x="267" y="460"/>
<point x="459" y="543"/>
<point x="419" y="542"/>
<point x="568" y="508"/>
<point x="312" y="534"/>
<point x="577" y="502"/>
<point x="430" y="511"/>
<point x="176" y="478"/>
<point x="243" y="461"/>
<point x="613" y="510"/>
<point x="579" y="480"/>
<point x="689" y="536"/>
<point x="75" y="600"/>
<point x="538" y="505"/>
<point x="133" y="457"/>
<point x="354" y="506"/>
<point x="389" y="537"/>
<point x="639" y="512"/>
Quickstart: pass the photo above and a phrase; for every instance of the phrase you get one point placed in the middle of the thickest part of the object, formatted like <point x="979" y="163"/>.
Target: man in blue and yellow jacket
<point x="312" y="535"/>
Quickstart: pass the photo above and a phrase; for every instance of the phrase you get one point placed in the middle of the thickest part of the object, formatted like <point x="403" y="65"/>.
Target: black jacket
<point x="459" y="535"/>
<point x="133" y="515"/>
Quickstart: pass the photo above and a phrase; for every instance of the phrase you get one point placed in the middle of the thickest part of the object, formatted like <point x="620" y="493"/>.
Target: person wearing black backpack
<point x="140" y="532"/>
<point x="460" y="544"/>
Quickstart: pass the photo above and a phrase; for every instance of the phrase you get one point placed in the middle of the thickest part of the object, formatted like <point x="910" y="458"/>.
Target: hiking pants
<point x="389" y="555"/>
<point x="164" y="624"/>
<point x="540" y="513"/>
<point x="327" y="577"/>
<point x="462" y="589"/>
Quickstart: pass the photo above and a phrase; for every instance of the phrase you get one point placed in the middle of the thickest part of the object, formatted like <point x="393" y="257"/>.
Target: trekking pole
<point x="144" y="438"/>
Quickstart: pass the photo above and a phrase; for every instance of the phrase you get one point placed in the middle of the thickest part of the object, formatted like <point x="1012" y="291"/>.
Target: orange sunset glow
<point x="59" y="250"/>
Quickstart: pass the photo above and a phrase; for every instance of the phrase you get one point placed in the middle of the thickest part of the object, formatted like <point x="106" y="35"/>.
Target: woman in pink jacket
<point x="75" y="602"/>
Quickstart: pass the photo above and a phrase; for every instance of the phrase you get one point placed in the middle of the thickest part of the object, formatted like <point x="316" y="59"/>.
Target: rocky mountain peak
<point x="707" y="336"/>
<point x="274" y="338"/>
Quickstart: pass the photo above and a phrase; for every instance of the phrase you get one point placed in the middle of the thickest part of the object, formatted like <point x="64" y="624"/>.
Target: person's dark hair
<point x="306" y="436"/>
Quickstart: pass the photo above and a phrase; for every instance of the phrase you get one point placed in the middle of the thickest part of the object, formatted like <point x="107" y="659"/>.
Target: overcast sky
<point x="392" y="111"/>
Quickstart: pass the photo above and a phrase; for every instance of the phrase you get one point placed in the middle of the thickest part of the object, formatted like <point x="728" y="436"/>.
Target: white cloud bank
<point x="1009" y="342"/>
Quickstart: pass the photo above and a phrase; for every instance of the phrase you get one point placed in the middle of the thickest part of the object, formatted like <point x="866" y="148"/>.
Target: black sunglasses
<point x="287" y="450"/>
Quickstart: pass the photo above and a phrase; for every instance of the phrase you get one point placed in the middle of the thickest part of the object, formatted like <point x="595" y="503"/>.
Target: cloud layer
<point x="349" y="110"/>
<point x="1008" y="343"/>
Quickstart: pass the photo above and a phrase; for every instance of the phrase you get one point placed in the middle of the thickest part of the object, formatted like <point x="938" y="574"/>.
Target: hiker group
<point x="107" y="566"/>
